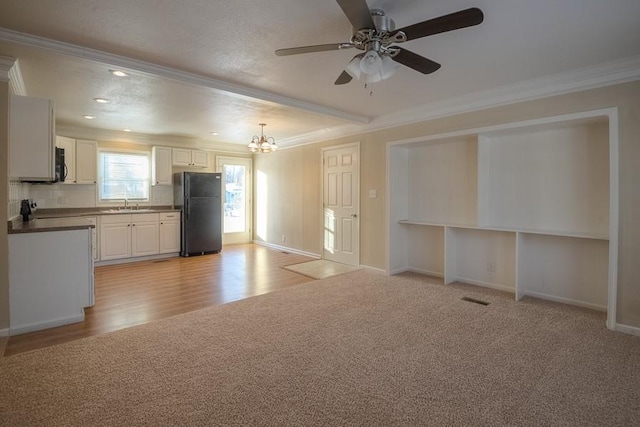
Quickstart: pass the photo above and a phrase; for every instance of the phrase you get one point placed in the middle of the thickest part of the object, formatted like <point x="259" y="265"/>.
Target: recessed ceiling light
<point x="118" y="73"/>
<point x="101" y="100"/>
<point x="88" y="117"/>
<point x="127" y="130"/>
<point x="215" y="133"/>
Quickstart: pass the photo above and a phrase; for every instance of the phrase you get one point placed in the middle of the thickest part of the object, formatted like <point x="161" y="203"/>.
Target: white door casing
<point x="341" y="203"/>
<point x="234" y="231"/>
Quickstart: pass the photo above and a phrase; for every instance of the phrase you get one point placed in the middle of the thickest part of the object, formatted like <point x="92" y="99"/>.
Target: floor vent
<point x="286" y="253"/>
<point x="160" y="260"/>
<point x="473" y="300"/>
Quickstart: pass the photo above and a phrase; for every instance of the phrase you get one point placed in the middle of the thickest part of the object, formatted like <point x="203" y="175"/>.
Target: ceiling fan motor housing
<point x="383" y="23"/>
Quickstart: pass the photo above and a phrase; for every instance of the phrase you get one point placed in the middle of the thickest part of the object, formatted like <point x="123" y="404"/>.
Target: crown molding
<point x="605" y="74"/>
<point x="10" y="72"/>
<point x="16" y="83"/>
<point x="6" y="63"/>
<point x="174" y="74"/>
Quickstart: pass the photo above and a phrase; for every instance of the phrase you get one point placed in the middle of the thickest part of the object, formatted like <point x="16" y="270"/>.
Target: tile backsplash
<point x="49" y="196"/>
<point x="17" y="191"/>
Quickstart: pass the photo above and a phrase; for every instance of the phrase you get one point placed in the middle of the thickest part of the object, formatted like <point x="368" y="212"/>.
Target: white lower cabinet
<point x="128" y="235"/>
<point x="144" y="235"/>
<point x="169" y="232"/>
<point x="115" y="237"/>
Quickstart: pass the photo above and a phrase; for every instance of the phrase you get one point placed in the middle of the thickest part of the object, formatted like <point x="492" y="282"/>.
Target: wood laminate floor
<point x="136" y="293"/>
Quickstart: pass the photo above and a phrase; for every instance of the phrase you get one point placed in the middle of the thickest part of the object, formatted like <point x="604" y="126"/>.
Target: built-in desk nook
<point x="529" y="207"/>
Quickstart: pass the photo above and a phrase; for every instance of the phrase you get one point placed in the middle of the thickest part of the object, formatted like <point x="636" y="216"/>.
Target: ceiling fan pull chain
<point x="366" y="86"/>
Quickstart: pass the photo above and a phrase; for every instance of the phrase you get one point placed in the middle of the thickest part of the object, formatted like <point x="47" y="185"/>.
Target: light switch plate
<point x="373" y="194"/>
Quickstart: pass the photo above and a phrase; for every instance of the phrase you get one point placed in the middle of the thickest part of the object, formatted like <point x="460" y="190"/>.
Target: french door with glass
<point x="236" y="220"/>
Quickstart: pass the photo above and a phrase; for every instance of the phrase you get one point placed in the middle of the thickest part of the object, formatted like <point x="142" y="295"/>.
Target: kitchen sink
<point x="126" y="210"/>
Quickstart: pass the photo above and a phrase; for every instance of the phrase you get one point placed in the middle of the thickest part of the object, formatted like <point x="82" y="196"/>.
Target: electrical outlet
<point x="491" y="267"/>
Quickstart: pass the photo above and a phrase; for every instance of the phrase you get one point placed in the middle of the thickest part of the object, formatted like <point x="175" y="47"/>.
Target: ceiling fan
<point x="374" y="33"/>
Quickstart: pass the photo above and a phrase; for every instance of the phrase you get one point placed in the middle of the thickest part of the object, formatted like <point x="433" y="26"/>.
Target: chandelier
<point x="262" y="144"/>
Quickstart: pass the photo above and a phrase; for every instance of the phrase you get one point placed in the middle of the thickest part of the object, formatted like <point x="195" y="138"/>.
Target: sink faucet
<point x="125" y="203"/>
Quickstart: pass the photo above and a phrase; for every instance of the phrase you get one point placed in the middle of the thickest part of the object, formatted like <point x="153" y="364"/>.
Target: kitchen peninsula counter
<point x="39" y="225"/>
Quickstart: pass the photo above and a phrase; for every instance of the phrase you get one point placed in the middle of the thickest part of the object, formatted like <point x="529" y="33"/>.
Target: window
<point x="123" y="176"/>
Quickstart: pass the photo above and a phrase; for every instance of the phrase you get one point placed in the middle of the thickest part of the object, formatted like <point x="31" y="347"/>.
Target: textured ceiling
<point x="234" y="42"/>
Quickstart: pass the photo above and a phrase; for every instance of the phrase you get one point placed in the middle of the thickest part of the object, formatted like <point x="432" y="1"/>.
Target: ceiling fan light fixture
<point x="353" y="68"/>
<point x="371" y="62"/>
<point x="389" y="67"/>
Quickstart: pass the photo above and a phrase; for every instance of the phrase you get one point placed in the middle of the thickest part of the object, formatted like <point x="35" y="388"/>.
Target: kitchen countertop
<point x="48" y="224"/>
<point x="71" y="218"/>
<point x="70" y="212"/>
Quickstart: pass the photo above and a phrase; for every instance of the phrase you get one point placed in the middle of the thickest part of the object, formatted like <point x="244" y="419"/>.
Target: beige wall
<point x="4" y="171"/>
<point x="294" y="201"/>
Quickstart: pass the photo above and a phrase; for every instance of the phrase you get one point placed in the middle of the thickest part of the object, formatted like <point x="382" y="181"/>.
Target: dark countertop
<point x="72" y="218"/>
<point x="39" y="225"/>
<point x="74" y="212"/>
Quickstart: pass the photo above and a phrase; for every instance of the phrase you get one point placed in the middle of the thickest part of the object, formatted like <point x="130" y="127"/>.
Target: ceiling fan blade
<point x="454" y="21"/>
<point x="358" y="14"/>
<point x="311" y="49"/>
<point x="415" y="61"/>
<point x="343" y="79"/>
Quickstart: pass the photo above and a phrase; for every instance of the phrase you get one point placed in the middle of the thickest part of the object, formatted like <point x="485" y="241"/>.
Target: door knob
<point x="354" y="216"/>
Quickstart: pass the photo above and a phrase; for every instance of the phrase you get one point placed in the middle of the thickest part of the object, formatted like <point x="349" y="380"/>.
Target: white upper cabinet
<point x="199" y="158"/>
<point x="187" y="157"/>
<point x="80" y="160"/>
<point x="86" y="161"/>
<point x="31" y="139"/>
<point x="161" y="166"/>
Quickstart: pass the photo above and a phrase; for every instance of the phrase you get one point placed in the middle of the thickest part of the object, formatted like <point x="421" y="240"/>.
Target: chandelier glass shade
<point x="262" y="144"/>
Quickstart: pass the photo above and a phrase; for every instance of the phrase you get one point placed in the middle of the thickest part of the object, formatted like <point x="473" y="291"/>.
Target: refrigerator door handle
<point x="187" y="207"/>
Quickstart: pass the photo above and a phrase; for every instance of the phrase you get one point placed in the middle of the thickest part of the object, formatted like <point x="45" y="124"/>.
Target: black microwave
<point x="60" y="167"/>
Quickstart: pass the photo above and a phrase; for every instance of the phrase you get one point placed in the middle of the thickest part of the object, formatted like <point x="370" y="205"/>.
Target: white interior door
<point x="341" y="204"/>
<point x="236" y="219"/>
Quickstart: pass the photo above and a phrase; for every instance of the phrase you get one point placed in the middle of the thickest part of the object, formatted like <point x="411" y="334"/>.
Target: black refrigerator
<point x="197" y="195"/>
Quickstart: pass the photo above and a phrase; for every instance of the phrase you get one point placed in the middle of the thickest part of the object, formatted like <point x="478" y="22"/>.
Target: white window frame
<point x="118" y="202"/>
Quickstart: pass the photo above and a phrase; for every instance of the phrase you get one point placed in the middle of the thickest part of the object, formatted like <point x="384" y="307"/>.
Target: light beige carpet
<point x="321" y="268"/>
<point x="355" y="349"/>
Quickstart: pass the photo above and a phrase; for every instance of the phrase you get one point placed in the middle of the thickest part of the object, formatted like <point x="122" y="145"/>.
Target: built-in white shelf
<point x="527" y="208"/>
<point x="597" y="236"/>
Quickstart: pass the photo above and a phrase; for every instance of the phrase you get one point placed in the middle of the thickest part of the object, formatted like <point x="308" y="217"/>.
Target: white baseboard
<point x="631" y="330"/>
<point x="416" y="270"/>
<point x="287" y="249"/>
<point x="485" y="284"/>
<point x="566" y="301"/>
<point x="46" y="325"/>
<point x="4" y="332"/>
<point x="373" y="269"/>
<point x="426" y="272"/>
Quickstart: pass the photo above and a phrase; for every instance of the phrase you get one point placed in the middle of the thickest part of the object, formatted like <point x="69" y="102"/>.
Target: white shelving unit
<point x="529" y="208"/>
